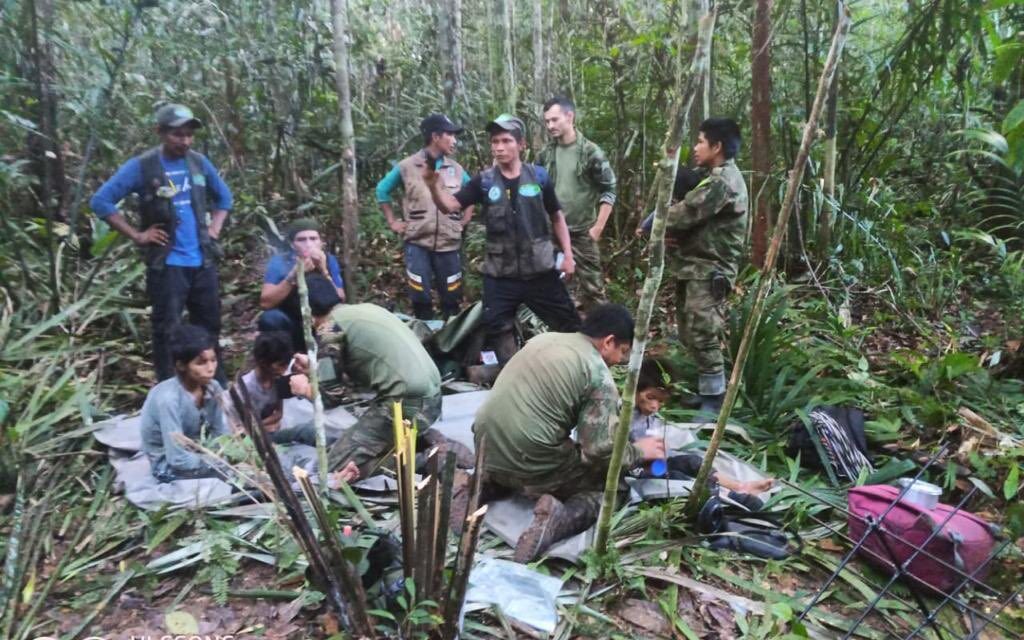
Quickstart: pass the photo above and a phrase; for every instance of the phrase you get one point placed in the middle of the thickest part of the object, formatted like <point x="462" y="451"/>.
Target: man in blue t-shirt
<point x="280" y="294"/>
<point x="183" y="204"/>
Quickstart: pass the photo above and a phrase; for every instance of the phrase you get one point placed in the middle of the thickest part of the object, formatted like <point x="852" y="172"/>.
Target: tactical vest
<point x="518" y="239"/>
<point x="426" y="225"/>
<point x="155" y="209"/>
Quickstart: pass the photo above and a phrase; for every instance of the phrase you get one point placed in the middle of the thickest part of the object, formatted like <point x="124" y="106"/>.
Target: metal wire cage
<point x="927" y="600"/>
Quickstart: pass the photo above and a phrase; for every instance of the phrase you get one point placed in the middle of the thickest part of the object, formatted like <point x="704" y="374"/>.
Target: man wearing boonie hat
<point x="280" y="294"/>
<point x="183" y="204"/>
<point x="523" y="220"/>
<point x="433" y="238"/>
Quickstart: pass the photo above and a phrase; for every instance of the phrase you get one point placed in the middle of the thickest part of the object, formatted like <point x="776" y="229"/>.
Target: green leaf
<point x="982" y="486"/>
<point x="1014" y="119"/>
<point x="181" y="623"/>
<point x="1012" y="483"/>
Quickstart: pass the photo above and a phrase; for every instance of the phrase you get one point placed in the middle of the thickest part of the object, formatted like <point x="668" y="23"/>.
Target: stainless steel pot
<point x="923" y="494"/>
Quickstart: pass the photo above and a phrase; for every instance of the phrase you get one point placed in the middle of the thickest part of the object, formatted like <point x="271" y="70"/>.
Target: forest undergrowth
<point x="901" y="285"/>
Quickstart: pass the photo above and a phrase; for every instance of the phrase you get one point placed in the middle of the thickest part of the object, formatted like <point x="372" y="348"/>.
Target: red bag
<point x="962" y="546"/>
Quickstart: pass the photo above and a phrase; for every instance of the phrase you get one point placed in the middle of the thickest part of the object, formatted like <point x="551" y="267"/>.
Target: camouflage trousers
<point x="700" y="319"/>
<point x="587" y="284"/>
<point x="368" y="442"/>
<point x="584" y="483"/>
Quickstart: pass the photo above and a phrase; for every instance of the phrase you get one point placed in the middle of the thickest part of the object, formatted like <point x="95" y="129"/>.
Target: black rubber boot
<point x="710" y="406"/>
<point x="423" y="310"/>
<point x="553" y="521"/>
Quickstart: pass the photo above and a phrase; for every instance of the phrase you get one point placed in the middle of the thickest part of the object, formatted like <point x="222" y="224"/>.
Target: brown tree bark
<point x="828" y="210"/>
<point x="349" y="195"/>
<point x="761" y="129"/>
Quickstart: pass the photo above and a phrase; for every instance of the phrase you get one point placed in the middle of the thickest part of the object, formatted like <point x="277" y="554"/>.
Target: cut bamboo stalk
<point x="351" y="584"/>
<point x="768" y="273"/>
<point x="441" y="536"/>
<point x="460" y="577"/>
<point x="297" y="522"/>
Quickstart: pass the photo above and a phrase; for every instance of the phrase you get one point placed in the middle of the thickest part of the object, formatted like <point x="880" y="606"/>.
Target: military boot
<point x="711" y="388"/>
<point x="553" y="521"/>
<point x="464" y="458"/>
<point x="710" y="406"/>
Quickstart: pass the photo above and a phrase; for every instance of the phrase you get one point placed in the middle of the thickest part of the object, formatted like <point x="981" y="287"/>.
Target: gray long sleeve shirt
<point x="170" y="409"/>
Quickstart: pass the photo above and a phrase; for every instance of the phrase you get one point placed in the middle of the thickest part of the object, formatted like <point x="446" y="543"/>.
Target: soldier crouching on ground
<point x="377" y="351"/>
<point x="558" y="383"/>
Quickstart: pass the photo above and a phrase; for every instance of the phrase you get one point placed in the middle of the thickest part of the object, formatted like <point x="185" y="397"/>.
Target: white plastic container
<point x="923" y="494"/>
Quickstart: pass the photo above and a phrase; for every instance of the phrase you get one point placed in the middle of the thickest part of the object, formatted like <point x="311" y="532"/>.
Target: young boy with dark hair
<point x="186" y="404"/>
<point x="651" y="394"/>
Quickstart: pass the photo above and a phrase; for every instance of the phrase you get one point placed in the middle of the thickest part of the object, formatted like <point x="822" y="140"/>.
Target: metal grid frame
<point x="929" y="611"/>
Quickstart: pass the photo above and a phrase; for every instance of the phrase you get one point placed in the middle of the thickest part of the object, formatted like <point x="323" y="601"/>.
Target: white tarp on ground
<point x="123" y="437"/>
<point x="506" y="518"/>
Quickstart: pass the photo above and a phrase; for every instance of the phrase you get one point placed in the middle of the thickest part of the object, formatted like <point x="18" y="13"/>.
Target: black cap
<point x="439" y="123"/>
<point x="176" y="115"/>
<point x="506" y="122"/>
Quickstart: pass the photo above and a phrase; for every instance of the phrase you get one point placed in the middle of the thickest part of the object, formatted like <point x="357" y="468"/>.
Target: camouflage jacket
<point x="556" y="384"/>
<point x="709" y="226"/>
<point x="593" y="173"/>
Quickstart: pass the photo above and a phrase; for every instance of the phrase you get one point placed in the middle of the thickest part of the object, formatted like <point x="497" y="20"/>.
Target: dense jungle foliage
<point x="901" y="285"/>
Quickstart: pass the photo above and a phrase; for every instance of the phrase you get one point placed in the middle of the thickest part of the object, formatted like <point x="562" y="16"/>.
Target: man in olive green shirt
<point x="557" y="384"/>
<point x="585" y="186"/>
<point x="377" y="351"/>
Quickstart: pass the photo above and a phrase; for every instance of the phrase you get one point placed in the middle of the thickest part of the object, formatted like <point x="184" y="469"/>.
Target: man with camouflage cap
<point x="183" y="204"/>
<point x="707" y="230"/>
<point x="433" y="239"/>
<point x="585" y="185"/>
<point x="522" y="215"/>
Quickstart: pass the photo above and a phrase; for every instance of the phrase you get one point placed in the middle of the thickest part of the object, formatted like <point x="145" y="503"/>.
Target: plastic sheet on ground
<point x="521" y="593"/>
<point x="508" y="518"/>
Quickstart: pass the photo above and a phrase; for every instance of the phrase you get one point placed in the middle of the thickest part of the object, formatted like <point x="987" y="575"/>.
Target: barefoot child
<point x="651" y="394"/>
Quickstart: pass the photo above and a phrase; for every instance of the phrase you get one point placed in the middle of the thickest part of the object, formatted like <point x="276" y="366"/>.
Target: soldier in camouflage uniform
<point x="585" y="185"/>
<point x="707" y="229"/>
<point x="558" y="383"/>
<point x="377" y="351"/>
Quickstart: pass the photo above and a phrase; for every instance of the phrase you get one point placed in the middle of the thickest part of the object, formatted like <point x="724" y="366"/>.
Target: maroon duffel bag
<point x="962" y="548"/>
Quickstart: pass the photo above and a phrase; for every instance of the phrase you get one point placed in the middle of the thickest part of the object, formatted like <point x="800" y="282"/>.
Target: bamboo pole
<point x="324" y="578"/>
<point x="460" y="576"/>
<point x="768" y="273"/>
<point x="314" y="376"/>
<point x="350" y="582"/>
<point x="662" y="187"/>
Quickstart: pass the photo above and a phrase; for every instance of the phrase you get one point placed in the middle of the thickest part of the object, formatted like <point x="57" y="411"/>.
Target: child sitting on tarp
<point x="187" y="404"/>
<point x="267" y="387"/>
<point x="651" y="393"/>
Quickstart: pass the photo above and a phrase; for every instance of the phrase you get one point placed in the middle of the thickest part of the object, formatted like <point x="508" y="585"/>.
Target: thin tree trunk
<point x="768" y="272"/>
<point x="458" y="65"/>
<point x="349" y="196"/>
<point x="539" y="81"/>
<point x="828" y="210"/>
<point x="761" y="128"/>
<point x="662" y="187"/>
<point x="508" y="67"/>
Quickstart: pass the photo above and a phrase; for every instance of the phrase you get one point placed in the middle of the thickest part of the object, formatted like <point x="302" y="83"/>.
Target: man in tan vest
<point x="433" y="238"/>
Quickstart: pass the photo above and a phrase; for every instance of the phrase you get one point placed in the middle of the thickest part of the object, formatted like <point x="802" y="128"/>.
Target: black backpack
<point x="832" y="439"/>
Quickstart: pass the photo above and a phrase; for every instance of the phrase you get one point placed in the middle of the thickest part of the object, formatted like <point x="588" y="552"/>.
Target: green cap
<point x="299" y="225"/>
<point x="506" y="122"/>
<point x="176" y="115"/>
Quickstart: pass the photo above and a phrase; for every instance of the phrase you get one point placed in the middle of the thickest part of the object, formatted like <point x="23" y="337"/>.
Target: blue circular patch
<point x="494" y="193"/>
